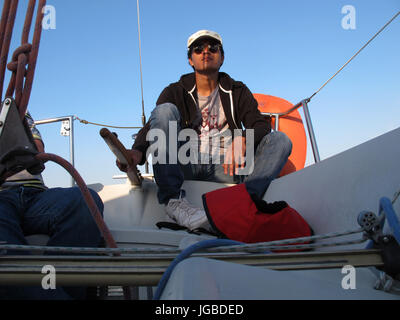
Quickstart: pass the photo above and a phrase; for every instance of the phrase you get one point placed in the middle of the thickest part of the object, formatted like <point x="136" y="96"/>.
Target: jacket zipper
<point x="194" y="100"/>
<point x="231" y="100"/>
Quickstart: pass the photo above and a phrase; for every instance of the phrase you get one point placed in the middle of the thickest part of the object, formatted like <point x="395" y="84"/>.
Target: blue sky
<point x="88" y="66"/>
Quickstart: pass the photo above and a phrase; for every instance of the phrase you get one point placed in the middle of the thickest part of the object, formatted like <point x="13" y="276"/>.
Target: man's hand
<point x="134" y="157"/>
<point x="235" y="156"/>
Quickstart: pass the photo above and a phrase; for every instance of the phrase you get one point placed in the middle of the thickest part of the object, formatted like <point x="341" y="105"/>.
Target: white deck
<point x="329" y="194"/>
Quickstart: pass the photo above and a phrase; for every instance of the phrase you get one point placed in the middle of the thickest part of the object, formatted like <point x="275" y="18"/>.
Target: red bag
<point x="237" y="215"/>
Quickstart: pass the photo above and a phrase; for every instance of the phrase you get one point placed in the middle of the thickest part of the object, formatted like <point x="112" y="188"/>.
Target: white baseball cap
<point x="203" y="34"/>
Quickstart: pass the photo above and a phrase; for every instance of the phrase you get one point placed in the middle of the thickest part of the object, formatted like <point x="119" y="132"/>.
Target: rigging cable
<point x="140" y="63"/>
<point x="141" y="86"/>
<point x="146" y="165"/>
<point x="298" y="105"/>
<point x="368" y="42"/>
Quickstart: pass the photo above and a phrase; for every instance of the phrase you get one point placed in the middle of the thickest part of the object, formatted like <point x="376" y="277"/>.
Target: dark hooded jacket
<point x="240" y="107"/>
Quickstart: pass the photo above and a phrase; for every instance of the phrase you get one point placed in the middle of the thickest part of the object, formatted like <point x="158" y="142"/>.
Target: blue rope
<point x="185" y="254"/>
<point x="385" y="205"/>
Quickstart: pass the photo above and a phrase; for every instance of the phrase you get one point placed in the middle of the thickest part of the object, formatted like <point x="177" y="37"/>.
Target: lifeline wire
<point x="103" y="125"/>
<point x="295" y="243"/>
<point x="368" y="42"/>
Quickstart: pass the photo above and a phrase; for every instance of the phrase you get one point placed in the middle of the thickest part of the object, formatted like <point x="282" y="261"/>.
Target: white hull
<point x="329" y="195"/>
<point x="207" y="279"/>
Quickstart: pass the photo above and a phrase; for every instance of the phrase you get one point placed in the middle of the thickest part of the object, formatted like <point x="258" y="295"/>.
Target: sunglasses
<point x="213" y="48"/>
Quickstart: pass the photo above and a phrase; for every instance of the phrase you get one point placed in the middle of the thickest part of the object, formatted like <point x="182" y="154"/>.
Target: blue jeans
<point x="270" y="157"/>
<point x="60" y="213"/>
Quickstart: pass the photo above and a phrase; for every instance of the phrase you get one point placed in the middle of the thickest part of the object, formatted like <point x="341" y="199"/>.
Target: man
<point x="215" y="106"/>
<point x="28" y="207"/>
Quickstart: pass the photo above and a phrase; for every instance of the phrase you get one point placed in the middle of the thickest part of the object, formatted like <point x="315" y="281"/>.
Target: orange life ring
<point x="291" y="124"/>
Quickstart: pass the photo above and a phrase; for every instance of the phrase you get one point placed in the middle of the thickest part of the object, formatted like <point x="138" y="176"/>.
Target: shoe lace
<point x="186" y="210"/>
<point x="186" y="206"/>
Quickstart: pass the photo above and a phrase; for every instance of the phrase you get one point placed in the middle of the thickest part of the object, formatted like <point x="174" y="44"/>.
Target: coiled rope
<point x="24" y="59"/>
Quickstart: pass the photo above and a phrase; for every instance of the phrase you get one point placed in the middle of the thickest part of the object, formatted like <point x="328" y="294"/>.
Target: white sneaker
<point x="185" y="214"/>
